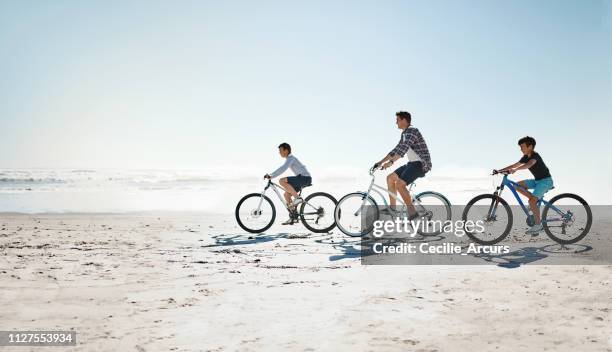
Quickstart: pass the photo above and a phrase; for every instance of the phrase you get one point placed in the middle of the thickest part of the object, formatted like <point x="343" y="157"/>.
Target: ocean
<point x="214" y="191"/>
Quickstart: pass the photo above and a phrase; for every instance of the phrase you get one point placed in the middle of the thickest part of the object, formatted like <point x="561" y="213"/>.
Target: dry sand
<point x="196" y="282"/>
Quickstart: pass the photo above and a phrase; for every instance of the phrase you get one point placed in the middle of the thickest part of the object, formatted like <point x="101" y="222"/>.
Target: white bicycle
<point x="255" y="212"/>
<point x="356" y="212"/>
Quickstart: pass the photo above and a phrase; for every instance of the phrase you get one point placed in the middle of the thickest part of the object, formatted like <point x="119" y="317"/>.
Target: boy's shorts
<point x="539" y="186"/>
<point x="410" y="172"/>
<point x="298" y="182"/>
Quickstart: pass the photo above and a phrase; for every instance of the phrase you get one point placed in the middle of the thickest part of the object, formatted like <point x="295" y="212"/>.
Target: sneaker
<point x="289" y="222"/>
<point x="296" y="202"/>
<point x="535" y="230"/>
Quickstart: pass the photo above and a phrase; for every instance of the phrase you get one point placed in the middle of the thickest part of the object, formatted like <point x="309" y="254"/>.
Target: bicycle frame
<point x="373" y="187"/>
<point x="377" y="189"/>
<point x="275" y="187"/>
<point x="513" y="186"/>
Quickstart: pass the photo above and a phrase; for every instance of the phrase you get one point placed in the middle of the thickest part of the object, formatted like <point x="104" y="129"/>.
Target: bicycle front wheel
<point x="567" y="218"/>
<point x="255" y="213"/>
<point x="495" y="220"/>
<point x="317" y="212"/>
<point x="355" y="214"/>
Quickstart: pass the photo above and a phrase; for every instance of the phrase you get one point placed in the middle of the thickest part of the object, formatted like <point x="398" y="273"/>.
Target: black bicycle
<point x="255" y="212"/>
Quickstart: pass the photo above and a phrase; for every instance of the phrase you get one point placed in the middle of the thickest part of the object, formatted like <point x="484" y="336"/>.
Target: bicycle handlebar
<point x="269" y="183"/>
<point x="373" y="169"/>
<point x="495" y="172"/>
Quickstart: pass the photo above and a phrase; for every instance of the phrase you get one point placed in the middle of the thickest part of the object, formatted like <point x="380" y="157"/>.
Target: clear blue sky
<point x="194" y="84"/>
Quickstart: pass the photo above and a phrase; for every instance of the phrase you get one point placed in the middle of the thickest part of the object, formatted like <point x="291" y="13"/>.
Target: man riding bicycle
<point x="413" y="144"/>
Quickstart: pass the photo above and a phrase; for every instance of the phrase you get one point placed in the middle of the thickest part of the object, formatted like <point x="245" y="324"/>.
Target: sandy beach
<point x="196" y="282"/>
<point x="133" y="131"/>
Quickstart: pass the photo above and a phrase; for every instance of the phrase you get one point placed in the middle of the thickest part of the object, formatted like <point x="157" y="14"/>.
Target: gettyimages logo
<point x="425" y="225"/>
<point x="386" y="235"/>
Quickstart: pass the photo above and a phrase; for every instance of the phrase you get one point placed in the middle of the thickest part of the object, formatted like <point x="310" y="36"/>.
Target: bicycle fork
<point x="494" y="204"/>
<point x="365" y="196"/>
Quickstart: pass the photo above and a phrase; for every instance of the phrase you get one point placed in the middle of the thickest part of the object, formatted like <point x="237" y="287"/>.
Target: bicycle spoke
<point x="317" y="212"/>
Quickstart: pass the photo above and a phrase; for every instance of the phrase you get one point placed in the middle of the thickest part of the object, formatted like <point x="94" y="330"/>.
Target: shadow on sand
<point x="240" y="239"/>
<point x="528" y="255"/>
<point x="244" y="239"/>
<point x="352" y="248"/>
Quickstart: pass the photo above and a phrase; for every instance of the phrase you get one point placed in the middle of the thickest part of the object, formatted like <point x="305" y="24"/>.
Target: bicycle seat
<point x="304" y="186"/>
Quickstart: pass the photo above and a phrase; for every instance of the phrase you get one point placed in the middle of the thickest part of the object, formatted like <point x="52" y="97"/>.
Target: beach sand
<point x="197" y="282"/>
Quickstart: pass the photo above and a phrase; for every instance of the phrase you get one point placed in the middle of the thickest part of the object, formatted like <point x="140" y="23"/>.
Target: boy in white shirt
<point x="291" y="184"/>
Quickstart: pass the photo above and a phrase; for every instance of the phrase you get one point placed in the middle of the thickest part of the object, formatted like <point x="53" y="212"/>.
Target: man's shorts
<point x="539" y="186"/>
<point x="298" y="182"/>
<point x="410" y="172"/>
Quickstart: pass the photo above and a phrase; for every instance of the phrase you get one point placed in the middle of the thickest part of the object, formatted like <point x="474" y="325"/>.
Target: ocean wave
<point x="31" y="180"/>
<point x="97" y="178"/>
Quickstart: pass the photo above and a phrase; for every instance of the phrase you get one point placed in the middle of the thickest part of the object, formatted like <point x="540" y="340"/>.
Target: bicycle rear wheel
<point x="496" y="220"/>
<point x="317" y="212"/>
<point x="435" y="209"/>
<point x="355" y="214"/>
<point x="255" y="213"/>
<point x="567" y="218"/>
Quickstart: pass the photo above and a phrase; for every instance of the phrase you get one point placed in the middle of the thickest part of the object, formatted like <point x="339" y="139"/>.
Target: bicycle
<point x="354" y="203"/>
<point x="552" y="216"/>
<point x="255" y="212"/>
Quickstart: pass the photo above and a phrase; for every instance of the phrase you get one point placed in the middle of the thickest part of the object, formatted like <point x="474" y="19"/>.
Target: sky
<point x="203" y="84"/>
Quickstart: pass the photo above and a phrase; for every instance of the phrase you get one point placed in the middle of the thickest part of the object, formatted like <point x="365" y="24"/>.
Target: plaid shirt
<point x="412" y="139"/>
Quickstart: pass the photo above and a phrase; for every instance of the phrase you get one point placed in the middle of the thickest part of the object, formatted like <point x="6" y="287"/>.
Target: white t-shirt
<point x="291" y="163"/>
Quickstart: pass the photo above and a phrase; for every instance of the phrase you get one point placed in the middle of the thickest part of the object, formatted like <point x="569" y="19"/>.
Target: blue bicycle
<point x="566" y="218"/>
